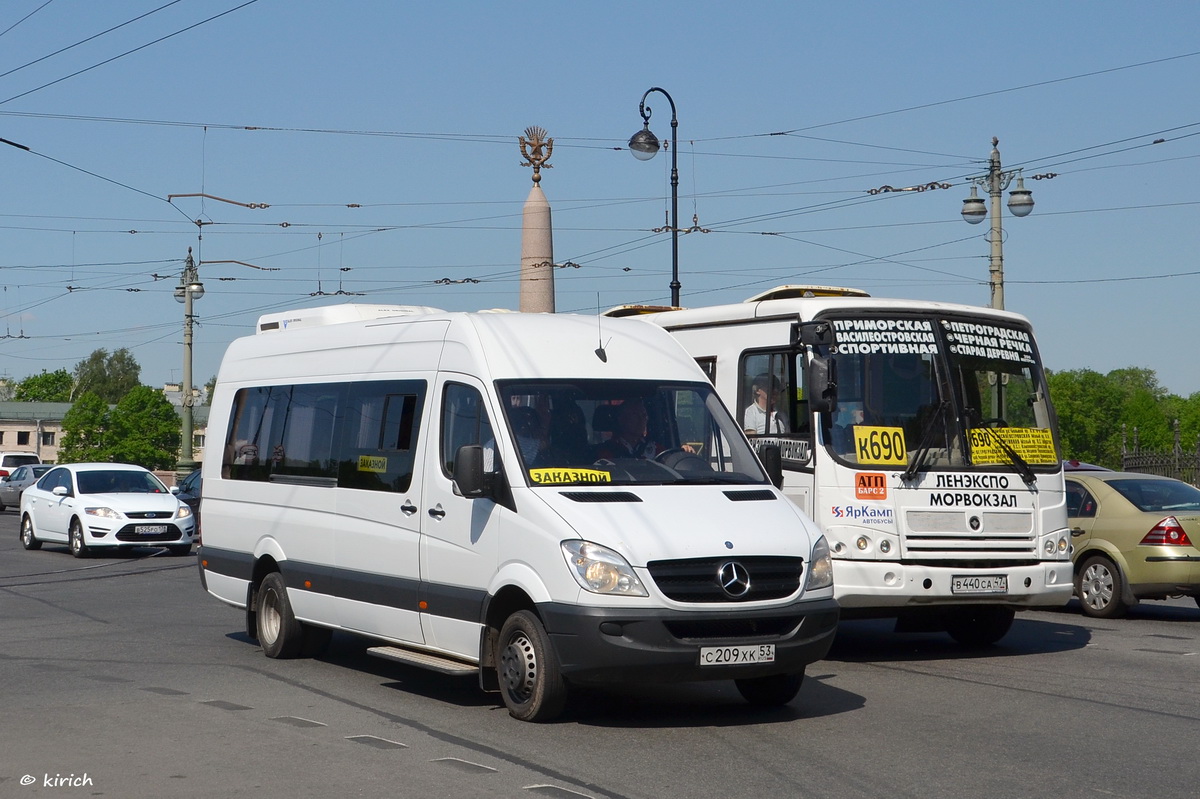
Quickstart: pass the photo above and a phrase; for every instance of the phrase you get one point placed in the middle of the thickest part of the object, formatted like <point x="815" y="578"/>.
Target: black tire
<point x="527" y="665"/>
<point x="79" y="547"/>
<point x="976" y="626"/>
<point x="28" y="539"/>
<point x="1100" y="588"/>
<point x="772" y="691"/>
<point x="279" y="634"/>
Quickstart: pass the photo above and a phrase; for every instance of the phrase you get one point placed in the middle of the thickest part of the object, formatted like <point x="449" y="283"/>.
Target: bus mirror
<point x="468" y="471"/>
<point x="822" y="384"/>
<point x="772" y="460"/>
<point x="812" y="334"/>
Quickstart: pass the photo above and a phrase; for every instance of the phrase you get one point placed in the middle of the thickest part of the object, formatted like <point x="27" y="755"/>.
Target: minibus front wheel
<point x="530" y="680"/>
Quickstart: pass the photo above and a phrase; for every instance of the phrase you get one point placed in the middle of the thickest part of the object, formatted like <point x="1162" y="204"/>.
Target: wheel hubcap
<point x="270" y="618"/>
<point x="518" y="667"/>
<point x="1097" y="587"/>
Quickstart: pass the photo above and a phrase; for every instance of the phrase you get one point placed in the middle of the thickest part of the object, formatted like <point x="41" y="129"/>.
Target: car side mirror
<point x="468" y="471"/>
<point x="61" y="491"/>
<point x="772" y="460"/>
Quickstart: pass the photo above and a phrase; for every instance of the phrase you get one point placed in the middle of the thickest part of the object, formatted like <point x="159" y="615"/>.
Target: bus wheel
<point x="979" y="626"/>
<point x="530" y="681"/>
<point x="773" y="691"/>
<point x="1098" y="585"/>
<point x="279" y="634"/>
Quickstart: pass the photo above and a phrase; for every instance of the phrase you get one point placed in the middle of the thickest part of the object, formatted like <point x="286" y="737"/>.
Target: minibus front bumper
<point x="661" y="645"/>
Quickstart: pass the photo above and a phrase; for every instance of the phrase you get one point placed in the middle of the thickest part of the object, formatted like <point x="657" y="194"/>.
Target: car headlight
<point x="183" y="512"/>
<point x="600" y="570"/>
<point x="820" y="568"/>
<point x="104" y="513"/>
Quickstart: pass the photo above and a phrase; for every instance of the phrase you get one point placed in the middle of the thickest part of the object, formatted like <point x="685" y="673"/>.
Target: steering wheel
<point x="681" y="460"/>
<point x="994" y="422"/>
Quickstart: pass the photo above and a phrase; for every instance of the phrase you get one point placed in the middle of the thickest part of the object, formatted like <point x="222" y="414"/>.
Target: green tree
<point x="110" y="377"/>
<point x="1097" y="412"/>
<point x="45" y="387"/>
<point x="209" y="388"/>
<point x="85" y="429"/>
<point x="145" y="429"/>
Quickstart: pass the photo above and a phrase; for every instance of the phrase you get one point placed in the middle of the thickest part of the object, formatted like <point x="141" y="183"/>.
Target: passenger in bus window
<point x="762" y="416"/>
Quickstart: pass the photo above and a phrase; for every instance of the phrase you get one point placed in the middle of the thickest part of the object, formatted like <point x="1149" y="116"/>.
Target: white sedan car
<point x="90" y="506"/>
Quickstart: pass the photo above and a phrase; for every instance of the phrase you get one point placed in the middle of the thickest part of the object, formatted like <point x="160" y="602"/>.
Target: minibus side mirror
<point x="468" y="471"/>
<point x="772" y="460"/>
<point x="812" y="334"/>
<point x="822" y="384"/>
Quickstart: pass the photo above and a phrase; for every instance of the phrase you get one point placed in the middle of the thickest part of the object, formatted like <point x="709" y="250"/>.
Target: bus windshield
<point x="926" y="391"/>
<point x="627" y="432"/>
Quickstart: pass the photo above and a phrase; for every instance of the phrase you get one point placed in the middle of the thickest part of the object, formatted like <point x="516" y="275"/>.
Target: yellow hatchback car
<point x="1135" y="536"/>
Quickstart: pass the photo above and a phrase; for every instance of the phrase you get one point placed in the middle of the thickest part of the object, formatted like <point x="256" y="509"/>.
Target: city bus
<point x="919" y="436"/>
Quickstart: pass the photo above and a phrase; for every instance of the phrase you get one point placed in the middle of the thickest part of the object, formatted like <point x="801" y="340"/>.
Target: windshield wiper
<point x="923" y="447"/>
<point x="1020" y="464"/>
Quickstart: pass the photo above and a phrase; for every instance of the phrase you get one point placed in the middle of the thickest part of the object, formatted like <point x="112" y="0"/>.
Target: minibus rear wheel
<point x="279" y="634"/>
<point x="530" y="680"/>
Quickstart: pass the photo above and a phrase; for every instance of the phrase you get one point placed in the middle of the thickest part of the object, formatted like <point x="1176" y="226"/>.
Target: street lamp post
<point x="189" y="290"/>
<point x="1020" y="203"/>
<point x="645" y="145"/>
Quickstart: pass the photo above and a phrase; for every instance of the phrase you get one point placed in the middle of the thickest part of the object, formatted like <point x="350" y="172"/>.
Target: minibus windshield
<point x="626" y="432"/>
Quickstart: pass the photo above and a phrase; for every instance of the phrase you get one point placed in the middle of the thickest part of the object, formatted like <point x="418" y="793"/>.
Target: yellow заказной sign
<point x="562" y="476"/>
<point x="880" y="445"/>
<point x="372" y="463"/>
<point x="1032" y="444"/>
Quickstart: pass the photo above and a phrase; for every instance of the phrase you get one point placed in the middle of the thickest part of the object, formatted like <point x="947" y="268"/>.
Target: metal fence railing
<point x="1175" y="462"/>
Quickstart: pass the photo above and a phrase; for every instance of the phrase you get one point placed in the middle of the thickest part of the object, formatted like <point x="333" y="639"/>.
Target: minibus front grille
<point x="698" y="579"/>
<point x="602" y="496"/>
<point x="733" y="629"/>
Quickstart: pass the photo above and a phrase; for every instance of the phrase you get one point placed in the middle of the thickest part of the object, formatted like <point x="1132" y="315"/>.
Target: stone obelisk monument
<point x="537" y="234"/>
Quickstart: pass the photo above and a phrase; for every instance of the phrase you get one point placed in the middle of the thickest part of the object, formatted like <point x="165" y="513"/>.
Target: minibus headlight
<point x="600" y="570"/>
<point x="820" y="568"/>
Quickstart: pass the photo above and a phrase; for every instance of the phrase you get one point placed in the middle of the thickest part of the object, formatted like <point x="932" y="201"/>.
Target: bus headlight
<point x="820" y="568"/>
<point x="600" y="570"/>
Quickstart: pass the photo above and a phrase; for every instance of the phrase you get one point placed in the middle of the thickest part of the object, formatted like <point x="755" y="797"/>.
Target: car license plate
<point x="150" y="529"/>
<point x="736" y="655"/>
<point x="979" y="584"/>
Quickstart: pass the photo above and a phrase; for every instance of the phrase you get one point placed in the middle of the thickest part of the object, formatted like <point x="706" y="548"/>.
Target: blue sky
<point x="789" y="114"/>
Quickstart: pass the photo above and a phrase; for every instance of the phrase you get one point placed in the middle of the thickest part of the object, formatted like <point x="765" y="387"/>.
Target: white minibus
<point x="542" y="500"/>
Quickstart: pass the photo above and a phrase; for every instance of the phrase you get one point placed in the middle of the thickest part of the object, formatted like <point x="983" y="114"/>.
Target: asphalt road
<point x="120" y="677"/>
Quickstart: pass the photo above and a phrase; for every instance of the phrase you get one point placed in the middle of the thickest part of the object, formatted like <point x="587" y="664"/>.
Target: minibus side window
<point x="248" y="423"/>
<point x="465" y="421"/>
<point x="301" y="440"/>
<point x="377" y="444"/>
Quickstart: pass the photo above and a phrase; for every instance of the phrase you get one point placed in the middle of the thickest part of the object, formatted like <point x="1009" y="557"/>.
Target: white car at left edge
<point x="94" y="506"/>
